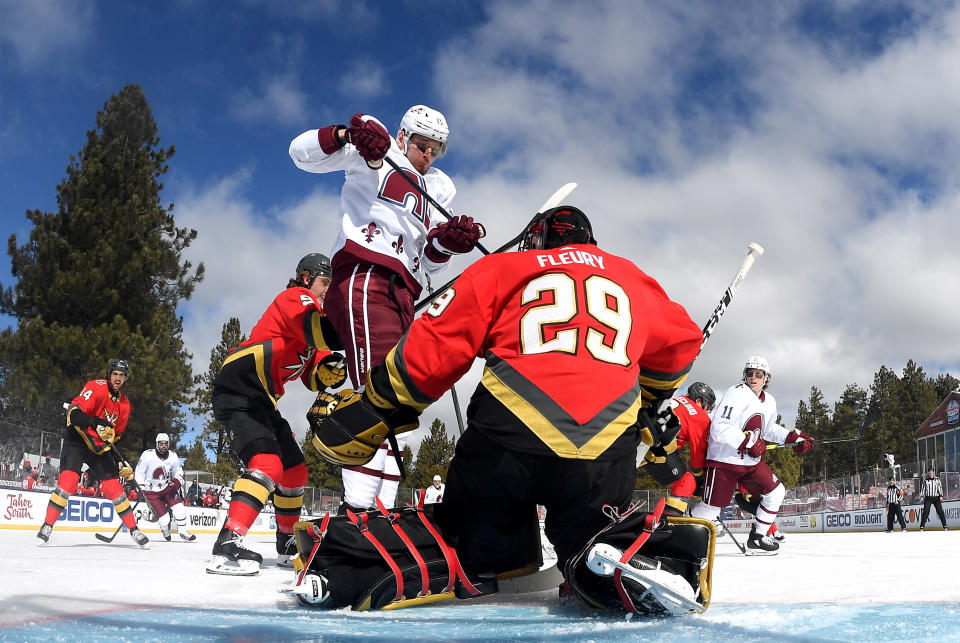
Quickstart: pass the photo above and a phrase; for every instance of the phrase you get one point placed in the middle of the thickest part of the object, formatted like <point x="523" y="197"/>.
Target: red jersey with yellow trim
<point x="694" y="429"/>
<point x="286" y="344"/>
<point x="97" y="401"/>
<point x="574" y="339"/>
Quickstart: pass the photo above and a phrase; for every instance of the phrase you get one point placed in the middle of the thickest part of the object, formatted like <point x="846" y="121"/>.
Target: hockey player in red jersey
<point x="292" y="340"/>
<point x="579" y="344"/>
<point x="745" y="419"/>
<point x="693" y="412"/>
<point x="390" y="239"/>
<point x="96" y="419"/>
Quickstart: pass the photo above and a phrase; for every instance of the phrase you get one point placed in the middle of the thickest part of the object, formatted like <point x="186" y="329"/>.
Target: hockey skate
<point x="43" y="536"/>
<point x="286" y="549"/>
<point x="230" y="558"/>
<point x="660" y="590"/>
<point x="140" y="538"/>
<point x="185" y="535"/>
<point x="758" y="545"/>
<point x="779" y="536"/>
<point x="165" y="530"/>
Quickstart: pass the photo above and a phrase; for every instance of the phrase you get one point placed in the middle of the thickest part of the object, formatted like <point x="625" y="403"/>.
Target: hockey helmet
<point x="427" y="122"/>
<point x="163" y="437"/>
<point x="756" y="362"/>
<point x="118" y="365"/>
<point x="437" y="478"/>
<point x="704" y="392"/>
<point x="558" y="227"/>
<point x="317" y="265"/>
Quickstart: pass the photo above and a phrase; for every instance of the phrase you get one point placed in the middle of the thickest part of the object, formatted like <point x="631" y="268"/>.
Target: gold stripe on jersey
<point x="319" y="332"/>
<point x="657" y="385"/>
<point x="556" y="428"/>
<point x="401" y="384"/>
<point x="261" y="358"/>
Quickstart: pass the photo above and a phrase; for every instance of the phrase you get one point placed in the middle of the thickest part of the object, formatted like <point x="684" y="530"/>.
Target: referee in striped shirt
<point x="932" y="492"/>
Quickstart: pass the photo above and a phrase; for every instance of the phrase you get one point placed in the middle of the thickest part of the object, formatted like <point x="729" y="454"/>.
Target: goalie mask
<point x="561" y="226"/>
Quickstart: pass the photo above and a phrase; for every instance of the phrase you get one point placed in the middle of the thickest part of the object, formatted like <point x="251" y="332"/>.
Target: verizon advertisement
<point x="21" y="509"/>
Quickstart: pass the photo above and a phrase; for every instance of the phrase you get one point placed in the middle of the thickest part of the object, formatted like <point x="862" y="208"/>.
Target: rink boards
<point x="857" y="520"/>
<point x="21" y="509"/>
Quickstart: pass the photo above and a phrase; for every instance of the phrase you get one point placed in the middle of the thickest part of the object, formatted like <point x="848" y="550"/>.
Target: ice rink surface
<point x="837" y="587"/>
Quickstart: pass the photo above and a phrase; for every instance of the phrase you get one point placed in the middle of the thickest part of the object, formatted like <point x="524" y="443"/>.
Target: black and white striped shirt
<point x="932" y="488"/>
<point x="893" y="494"/>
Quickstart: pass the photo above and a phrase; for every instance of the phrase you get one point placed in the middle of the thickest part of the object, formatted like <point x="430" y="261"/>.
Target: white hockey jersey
<point x="154" y="473"/>
<point x="383" y="219"/>
<point x="433" y="494"/>
<point x="737" y="411"/>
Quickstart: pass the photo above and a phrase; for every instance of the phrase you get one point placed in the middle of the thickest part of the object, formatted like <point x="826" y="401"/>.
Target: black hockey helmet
<point x="118" y="365"/>
<point x="557" y="227"/>
<point x="704" y="392"/>
<point x="317" y="265"/>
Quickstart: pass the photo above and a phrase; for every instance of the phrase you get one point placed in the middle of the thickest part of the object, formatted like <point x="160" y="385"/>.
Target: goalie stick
<point x="555" y="199"/>
<point x="754" y="250"/>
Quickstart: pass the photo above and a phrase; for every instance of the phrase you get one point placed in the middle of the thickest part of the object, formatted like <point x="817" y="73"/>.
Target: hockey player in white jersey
<point x="390" y="239"/>
<point x="744" y="420"/>
<point x="434" y="493"/>
<point x="161" y="478"/>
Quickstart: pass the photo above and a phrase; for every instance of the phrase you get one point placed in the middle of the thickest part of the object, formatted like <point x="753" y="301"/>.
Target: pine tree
<point x="101" y="278"/>
<point x="945" y="384"/>
<point x="884" y="419"/>
<point x="433" y="457"/>
<point x="813" y="418"/>
<point x="197" y="457"/>
<point x="849" y="415"/>
<point x="214" y="434"/>
<point x="323" y="475"/>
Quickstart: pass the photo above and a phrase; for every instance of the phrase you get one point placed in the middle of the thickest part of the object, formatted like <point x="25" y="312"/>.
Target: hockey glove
<point x="331" y="372"/>
<point x="457" y="236"/>
<point x="175" y="483"/>
<point x="105" y="430"/>
<point x="370" y="138"/>
<point x="322" y="407"/>
<point x="125" y="472"/>
<point x="801" y="441"/>
<point x="752" y="444"/>
<point x="659" y="428"/>
<point x="356" y="423"/>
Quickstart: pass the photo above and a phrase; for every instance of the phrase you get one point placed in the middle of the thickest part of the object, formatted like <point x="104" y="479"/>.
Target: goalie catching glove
<point x="349" y="426"/>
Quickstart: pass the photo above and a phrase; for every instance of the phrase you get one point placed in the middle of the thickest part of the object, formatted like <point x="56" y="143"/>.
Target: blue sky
<point x="826" y="132"/>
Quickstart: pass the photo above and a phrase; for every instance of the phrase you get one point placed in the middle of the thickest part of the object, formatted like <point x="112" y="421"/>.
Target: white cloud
<point x="276" y="99"/>
<point x="364" y="79"/>
<point x="38" y="31"/>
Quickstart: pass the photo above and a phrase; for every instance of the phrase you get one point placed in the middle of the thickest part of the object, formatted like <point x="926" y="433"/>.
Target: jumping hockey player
<point x="96" y="419"/>
<point x="292" y="340"/>
<point x="744" y="420"/>
<point x="160" y="477"/>
<point x="578" y="344"/>
<point x="390" y="240"/>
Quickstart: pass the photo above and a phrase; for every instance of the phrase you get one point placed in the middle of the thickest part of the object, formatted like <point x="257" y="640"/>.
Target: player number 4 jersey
<point x="96" y="401"/>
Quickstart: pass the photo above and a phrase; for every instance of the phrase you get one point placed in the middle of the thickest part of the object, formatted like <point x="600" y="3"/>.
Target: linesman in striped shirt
<point x="894" y="496"/>
<point x="932" y="492"/>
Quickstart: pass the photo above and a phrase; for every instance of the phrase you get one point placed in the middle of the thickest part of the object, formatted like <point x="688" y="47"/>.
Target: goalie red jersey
<point x="286" y="344"/>
<point x="575" y="341"/>
<point x="97" y="402"/>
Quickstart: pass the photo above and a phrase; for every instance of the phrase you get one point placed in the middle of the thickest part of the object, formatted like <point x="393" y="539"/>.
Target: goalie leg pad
<point x="670" y="573"/>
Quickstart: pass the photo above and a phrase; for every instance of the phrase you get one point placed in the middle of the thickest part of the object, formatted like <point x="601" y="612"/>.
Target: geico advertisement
<point x="19" y="508"/>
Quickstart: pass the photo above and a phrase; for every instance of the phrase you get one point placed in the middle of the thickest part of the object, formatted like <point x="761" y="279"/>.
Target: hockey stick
<point x="754" y="250"/>
<point x="120" y="460"/>
<point x="743" y="550"/>
<point x="816" y="442"/>
<point x="430" y="199"/>
<point x="555" y="199"/>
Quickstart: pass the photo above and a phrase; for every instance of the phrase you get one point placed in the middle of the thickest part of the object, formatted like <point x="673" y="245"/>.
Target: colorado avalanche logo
<point x="371" y="230"/>
<point x="397" y="191"/>
<point x="398" y="245"/>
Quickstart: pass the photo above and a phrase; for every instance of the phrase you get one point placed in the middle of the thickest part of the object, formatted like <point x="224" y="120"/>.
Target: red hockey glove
<point x="802" y="441"/>
<point x="370" y="138"/>
<point x="752" y="444"/>
<point x="457" y="236"/>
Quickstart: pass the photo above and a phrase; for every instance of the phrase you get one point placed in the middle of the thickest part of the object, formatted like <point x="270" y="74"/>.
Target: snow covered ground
<point x="833" y="586"/>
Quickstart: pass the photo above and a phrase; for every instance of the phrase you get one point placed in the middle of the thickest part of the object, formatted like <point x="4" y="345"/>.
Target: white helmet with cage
<point x="427" y="122"/>
<point x="756" y="362"/>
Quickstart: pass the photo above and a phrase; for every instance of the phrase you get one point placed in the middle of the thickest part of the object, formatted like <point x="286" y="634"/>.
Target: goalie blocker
<point x="641" y="563"/>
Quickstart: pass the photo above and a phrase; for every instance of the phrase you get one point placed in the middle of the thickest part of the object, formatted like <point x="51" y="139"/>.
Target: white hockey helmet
<point x="437" y="478"/>
<point x="163" y="437"/>
<point x="425" y="121"/>
<point x="756" y="362"/>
